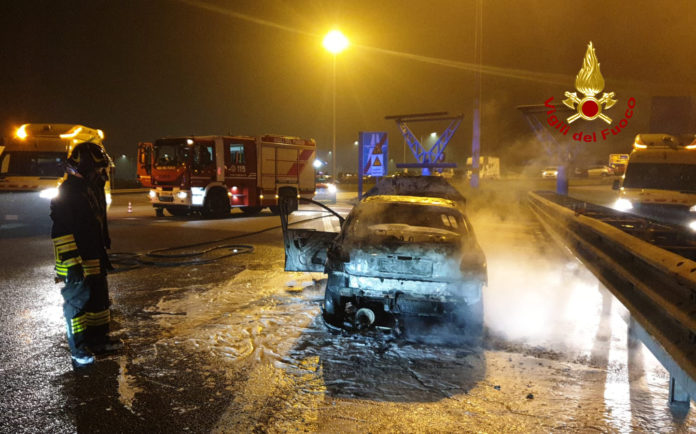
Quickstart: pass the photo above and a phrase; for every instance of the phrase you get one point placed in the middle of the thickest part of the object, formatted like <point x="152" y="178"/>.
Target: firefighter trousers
<point x="86" y="311"/>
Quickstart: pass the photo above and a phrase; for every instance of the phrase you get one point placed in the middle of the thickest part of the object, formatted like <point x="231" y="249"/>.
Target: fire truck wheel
<point x="216" y="205"/>
<point x="251" y="210"/>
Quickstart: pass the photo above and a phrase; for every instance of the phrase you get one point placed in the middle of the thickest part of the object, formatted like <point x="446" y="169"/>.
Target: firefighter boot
<point x="81" y="358"/>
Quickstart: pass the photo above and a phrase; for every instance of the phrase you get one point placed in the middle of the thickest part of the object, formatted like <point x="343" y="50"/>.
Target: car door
<point x="305" y="249"/>
<point x="144" y="165"/>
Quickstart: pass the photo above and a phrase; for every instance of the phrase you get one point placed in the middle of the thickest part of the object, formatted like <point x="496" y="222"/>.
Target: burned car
<point x="398" y="257"/>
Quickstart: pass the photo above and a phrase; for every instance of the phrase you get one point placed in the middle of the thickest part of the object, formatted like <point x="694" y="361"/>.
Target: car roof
<point x="411" y="200"/>
<point x="416" y="186"/>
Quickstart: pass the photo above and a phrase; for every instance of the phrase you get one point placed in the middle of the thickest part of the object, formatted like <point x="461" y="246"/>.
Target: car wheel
<point x="251" y="210"/>
<point x="216" y="205"/>
<point x="177" y="212"/>
<point x="332" y="310"/>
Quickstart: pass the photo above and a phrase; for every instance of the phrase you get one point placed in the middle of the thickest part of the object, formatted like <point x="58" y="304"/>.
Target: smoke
<point x="538" y="294"/>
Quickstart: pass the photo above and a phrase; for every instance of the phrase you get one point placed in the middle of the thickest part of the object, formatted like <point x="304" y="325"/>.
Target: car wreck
<point x="406" y="251"/>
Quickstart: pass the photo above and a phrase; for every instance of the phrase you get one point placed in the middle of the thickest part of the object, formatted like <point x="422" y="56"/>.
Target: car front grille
<point x="414" y="306"/>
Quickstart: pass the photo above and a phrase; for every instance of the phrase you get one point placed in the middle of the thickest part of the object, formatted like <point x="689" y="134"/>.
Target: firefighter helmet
<point x="87" y="158"/>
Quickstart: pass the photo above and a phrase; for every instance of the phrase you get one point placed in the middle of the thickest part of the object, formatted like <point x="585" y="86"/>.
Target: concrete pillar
<point x="677" y="395"/>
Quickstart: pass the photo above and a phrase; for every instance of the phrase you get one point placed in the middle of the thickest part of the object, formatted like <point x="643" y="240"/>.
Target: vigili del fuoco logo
<point x="589" y="82"/>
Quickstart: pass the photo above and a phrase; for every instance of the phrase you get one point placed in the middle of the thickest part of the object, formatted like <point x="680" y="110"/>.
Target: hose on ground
<point x="126" y="261"/>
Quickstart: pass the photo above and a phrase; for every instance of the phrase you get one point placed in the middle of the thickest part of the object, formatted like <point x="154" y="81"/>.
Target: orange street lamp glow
<point x="335" y="41"/>
<point x="22" y="132"/>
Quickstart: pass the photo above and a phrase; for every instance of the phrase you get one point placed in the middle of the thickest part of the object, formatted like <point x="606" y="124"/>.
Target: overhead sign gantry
<point x="431" y="158"/>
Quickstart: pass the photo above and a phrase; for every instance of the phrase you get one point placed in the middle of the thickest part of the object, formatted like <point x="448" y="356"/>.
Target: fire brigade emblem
<point x="589" y="82"/>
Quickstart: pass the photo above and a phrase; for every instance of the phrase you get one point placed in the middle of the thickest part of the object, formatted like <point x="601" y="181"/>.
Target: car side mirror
<point x="616" y="184"/>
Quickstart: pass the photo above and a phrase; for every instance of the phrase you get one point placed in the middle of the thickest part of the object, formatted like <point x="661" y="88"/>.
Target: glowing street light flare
<point x="22" y="132"/>
<point x="335" y="41"/>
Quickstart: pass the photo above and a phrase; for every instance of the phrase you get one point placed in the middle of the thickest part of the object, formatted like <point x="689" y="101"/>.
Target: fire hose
<point x="166" y="257"/>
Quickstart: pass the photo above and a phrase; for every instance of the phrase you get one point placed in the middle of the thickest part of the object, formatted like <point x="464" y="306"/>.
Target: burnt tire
<point x="332" y="311"/>
<point x="251" y="210"/>
<point x="216" y="205"/>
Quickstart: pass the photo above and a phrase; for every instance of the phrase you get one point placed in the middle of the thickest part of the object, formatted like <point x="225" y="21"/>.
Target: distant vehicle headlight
<point x="331" y="188"/>
<point x="623" y="204"/>
<point x="692" y="225"/>
<point x="692" y="209"/>
<point x="49" y="193"/>
<point x="152" y="193"/>
<point x="181" y="195"/>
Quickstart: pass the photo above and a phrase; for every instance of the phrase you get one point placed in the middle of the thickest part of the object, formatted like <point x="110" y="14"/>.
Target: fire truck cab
<point x="213" y="174"/>
<point x="32" y="167"/>
<point x="660" y="179"/>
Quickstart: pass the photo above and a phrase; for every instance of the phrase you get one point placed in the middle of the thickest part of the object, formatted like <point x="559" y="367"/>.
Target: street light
<point x="334" y="42"/>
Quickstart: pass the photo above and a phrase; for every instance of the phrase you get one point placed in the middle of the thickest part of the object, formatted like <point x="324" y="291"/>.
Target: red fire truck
<point x="212" y="174"/>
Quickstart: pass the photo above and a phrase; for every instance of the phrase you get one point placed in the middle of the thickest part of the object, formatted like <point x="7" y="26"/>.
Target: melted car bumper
<point x="389" y="300"/>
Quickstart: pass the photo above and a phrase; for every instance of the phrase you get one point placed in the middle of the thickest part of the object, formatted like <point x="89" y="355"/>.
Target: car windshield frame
<point x="170" y="153"/>
<point x="440" y="219"/>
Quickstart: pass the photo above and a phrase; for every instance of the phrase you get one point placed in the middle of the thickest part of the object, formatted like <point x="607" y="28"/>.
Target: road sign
<point x="372" y="155"/>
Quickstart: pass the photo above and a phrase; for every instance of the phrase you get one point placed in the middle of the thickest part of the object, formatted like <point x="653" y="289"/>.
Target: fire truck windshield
<point x="170" y="152"/>
<point x="32" y="163"/>
<point x="675" y="177"/>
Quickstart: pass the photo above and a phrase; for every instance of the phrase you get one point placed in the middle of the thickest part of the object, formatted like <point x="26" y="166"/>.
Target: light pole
<point x="335" y="42"/>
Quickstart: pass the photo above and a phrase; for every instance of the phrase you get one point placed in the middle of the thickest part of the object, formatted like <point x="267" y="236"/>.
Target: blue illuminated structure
<point x="427" y="159"/>
<point x="556" y="150"/>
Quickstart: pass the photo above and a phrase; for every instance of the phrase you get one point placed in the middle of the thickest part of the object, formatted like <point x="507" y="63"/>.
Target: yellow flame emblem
<point x="589" y="82"/>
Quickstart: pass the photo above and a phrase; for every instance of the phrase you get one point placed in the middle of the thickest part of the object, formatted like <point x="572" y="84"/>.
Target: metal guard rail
<point x="657" y="287"/>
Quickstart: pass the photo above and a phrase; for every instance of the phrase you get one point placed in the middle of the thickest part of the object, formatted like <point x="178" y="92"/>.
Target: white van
<point x="32" y="166"/>
<point x="660" y="179"/>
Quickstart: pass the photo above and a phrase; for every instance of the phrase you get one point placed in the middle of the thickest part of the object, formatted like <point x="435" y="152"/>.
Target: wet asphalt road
<point x="237" y="345"/>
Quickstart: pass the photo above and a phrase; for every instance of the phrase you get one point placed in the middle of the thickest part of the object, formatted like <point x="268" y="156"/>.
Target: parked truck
<point x="213" y="174"/>
<point x="660" y="179"/>
<point x="32" y="166"/>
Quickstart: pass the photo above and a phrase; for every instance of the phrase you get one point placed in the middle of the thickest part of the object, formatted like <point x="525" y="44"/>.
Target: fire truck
<point x="32" y="167"/>
<point x="660" y="179"/>
<point x="213" y="174"/>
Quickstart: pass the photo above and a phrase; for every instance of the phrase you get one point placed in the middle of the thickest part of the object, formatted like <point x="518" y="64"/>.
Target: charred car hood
<point x="414" y="254"/>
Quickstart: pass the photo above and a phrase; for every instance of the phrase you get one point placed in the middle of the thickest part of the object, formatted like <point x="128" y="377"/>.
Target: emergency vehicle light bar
<point x="643" y="141"/>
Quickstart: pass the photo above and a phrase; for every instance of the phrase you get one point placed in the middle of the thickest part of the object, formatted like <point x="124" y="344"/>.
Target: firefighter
<point x="80" y="239"/>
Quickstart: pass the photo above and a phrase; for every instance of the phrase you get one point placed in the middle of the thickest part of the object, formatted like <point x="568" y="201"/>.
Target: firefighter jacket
<point x="80" y="232"/>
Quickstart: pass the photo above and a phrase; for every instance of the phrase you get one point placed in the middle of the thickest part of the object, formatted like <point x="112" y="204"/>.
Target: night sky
<point x="141" y="70"/>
